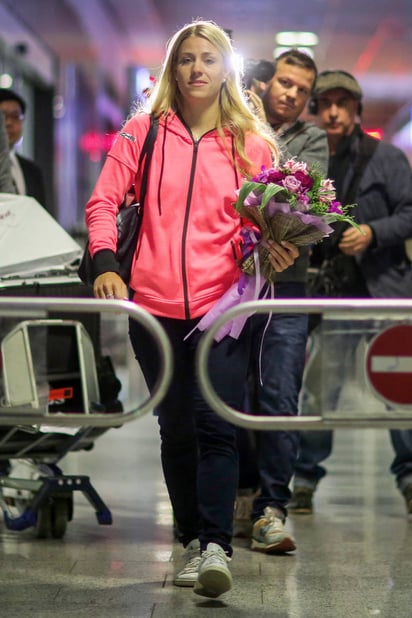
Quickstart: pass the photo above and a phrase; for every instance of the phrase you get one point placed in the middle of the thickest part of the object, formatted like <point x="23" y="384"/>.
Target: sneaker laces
<point x="272" y="517"/>
<point x="191" y="566"/>
<point x="217" y="555"/>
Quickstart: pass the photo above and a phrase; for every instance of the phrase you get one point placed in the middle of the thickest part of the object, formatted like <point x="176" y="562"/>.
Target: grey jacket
<point x="307" y="143"/>
<point x="6" y="182"/>
<point x="384" y="201"/>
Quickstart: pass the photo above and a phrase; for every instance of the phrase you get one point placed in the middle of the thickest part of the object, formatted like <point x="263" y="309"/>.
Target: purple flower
<point x="336" y="207"/>
<point x="262" y="176"/>
<point x="292" y="184"/>
<point x="267" y="176"/>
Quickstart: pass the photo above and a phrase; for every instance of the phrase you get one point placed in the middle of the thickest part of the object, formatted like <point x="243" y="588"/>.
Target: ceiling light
<point x="295" y="39"/>
<point x="6" y="80"/>
<point x="280" y="50"/>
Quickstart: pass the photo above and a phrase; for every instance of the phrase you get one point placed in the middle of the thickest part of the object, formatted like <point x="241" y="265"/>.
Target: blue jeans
<point x="198" y="448"/>
<point x="316" y="446"/>
<point x="277" y="362"/>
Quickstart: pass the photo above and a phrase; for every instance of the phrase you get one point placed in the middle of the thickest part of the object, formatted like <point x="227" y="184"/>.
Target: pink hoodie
<point x="190" y="236"/>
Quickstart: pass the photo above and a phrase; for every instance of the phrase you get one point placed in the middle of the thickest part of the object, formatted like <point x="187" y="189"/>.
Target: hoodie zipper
<point x="185" y="227"/>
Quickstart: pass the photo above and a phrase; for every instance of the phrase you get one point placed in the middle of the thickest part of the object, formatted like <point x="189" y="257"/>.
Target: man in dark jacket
<point x="370" y="263"/>
<point x="278" y="349"/>
<point x="27" y="176"/>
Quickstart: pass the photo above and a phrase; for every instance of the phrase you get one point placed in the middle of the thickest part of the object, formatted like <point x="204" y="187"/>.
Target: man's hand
<point x="354" y="241"/>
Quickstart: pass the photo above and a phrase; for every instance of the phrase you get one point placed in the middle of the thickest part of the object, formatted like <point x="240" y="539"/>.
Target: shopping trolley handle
<point x="32" y="310"/>
<point x="327" y="308"/>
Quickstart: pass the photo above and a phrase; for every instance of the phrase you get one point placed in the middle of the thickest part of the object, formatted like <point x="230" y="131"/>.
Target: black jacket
<point x="383" y="201"/>
<point x="34" y="180"/>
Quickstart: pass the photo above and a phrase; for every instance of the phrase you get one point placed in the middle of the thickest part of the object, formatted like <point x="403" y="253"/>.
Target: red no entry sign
<point x="389" y="364"/>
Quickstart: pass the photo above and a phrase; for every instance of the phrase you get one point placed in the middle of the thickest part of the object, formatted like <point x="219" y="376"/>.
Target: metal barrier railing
<point x="38" y="308"/>
<point x="400" y="308"/>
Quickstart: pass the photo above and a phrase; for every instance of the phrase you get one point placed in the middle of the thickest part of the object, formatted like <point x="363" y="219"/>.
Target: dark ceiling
<point x="370" y="38"/>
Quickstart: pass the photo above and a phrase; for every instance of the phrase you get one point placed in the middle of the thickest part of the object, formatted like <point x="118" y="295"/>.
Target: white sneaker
<point x="214" y="576"/>
<point x="269" y="534"/>
<point x="188" y="575"/>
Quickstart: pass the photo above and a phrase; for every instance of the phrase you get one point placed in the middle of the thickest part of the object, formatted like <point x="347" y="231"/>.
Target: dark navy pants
<point x="277" y="363"/>
<point x="198" y="448"/>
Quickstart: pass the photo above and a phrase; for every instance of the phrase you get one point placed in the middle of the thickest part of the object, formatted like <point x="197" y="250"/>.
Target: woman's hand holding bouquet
<point x="289" y="204"/>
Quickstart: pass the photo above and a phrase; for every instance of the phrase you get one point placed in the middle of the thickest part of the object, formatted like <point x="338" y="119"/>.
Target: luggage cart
<point x="381" y="377"/>
<point x="50" y="405"/>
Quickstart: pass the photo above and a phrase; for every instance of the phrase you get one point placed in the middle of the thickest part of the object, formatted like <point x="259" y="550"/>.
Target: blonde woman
<point x="186" y="258"/>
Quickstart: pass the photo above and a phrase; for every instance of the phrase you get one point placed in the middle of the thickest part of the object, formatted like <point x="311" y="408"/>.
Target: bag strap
<point x="146" y="154"/>
<point x="367" y="147"/>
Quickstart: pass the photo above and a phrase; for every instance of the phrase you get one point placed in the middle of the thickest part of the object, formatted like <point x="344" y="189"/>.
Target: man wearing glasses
<point x="27" y="176"/>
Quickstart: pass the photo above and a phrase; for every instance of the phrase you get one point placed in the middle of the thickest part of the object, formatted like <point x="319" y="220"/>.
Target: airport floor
<point x="353" y="557"/>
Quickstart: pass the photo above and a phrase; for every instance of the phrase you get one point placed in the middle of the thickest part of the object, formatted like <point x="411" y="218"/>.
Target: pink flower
<point x="292" y="184"/>
<point x="296" y="166"/>
<point x="327" y="183"/>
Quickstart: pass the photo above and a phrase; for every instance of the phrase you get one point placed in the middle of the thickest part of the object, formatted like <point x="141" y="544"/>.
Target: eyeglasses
<point x="13" y="116"/>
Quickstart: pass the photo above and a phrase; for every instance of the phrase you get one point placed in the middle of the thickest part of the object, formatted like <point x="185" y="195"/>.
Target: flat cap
<point x="327" y="80"/>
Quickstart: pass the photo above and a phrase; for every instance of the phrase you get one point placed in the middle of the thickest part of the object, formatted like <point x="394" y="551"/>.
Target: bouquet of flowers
<point x="292" y="202"/>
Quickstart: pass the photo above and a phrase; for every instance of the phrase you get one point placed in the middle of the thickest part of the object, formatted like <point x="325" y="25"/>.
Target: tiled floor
<point x="354" y="555"/>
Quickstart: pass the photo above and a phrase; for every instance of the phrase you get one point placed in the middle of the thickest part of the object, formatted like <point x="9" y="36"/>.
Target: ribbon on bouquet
<point x="246" y="289"/>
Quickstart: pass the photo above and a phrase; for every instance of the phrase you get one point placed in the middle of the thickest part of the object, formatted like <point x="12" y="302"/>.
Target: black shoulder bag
<point x="129" y="219"/>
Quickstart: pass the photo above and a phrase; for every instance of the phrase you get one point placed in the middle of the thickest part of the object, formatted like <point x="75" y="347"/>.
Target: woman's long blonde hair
<point x="234" y="112"/>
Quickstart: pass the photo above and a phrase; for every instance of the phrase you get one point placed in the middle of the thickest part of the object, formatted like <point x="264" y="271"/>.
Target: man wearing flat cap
<point x="371" y="262"/>
<point x="27" y="176"/>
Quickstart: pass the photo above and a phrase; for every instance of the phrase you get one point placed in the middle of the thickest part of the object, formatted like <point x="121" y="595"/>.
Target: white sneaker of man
<point x="269" y="534"/>
<point x="187" y="576"/>
<point x="214" y="576"/>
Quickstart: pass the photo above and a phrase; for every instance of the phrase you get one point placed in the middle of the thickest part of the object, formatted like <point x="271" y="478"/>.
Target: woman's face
<point x="200" y="70"/>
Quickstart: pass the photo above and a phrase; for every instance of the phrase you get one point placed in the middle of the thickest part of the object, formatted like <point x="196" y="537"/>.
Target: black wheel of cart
<point x="43" y="522"/>
<point x="60" y="515"/>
